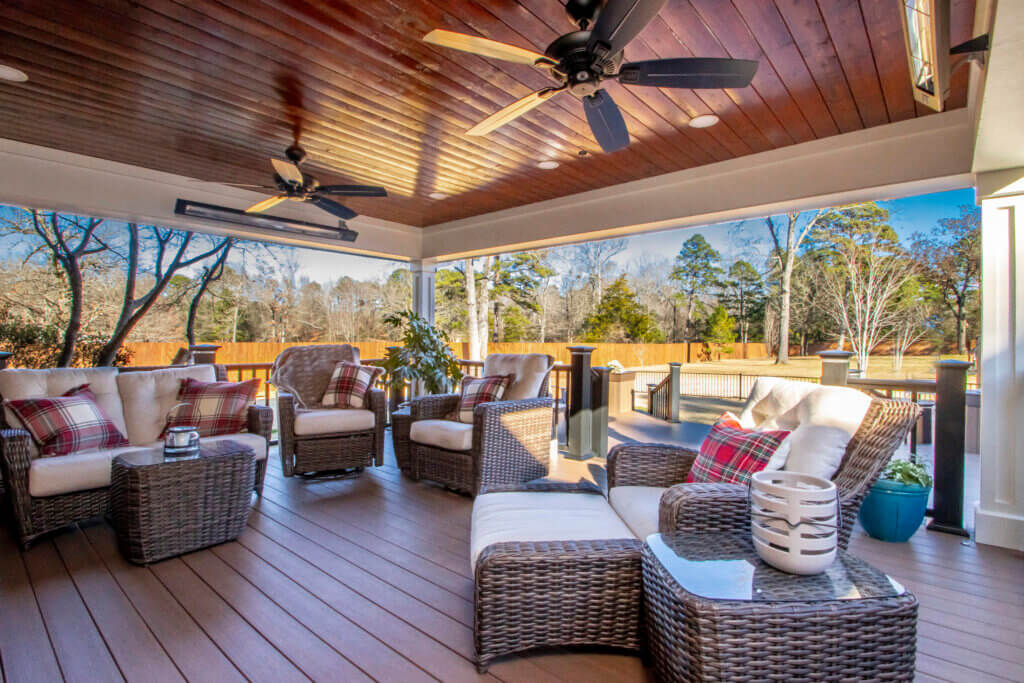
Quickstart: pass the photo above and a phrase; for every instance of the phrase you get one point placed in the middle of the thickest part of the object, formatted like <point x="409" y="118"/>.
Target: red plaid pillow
<point x="730" y="454"/>
<point x="66" y="424"/>
<point x="214" y="407"/>
<point x="350" y="385"/>
<point x="477" y="390"/>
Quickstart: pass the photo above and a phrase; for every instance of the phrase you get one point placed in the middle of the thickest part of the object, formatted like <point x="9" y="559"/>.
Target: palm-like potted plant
<point x="424" y="355"/>
<point x="894" y="508"/>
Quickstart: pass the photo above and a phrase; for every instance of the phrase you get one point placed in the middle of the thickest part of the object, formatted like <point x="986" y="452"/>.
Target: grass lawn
<point x="917" y="367"/>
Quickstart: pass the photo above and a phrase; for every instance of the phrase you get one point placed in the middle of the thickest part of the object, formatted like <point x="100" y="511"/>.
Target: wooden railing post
<point x="580" y="420"/>
<point x="950" y="416"/>
<point x="599" y="391"/>
<point x="5" y="358"/>
<point x="835" y="367"/>
<point x="673" y="391"/>
<point x="204" y="354"/>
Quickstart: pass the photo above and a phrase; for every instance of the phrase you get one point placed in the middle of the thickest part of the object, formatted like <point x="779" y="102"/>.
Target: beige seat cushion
<point x="332" y="421"/>
<point x="149" y="395"/>
<point x="91" y="469"/>
<point x="542" y="516"/>
<point x="74" y="472"/>
<point x="20" y="384"/>
<point x="528" y="371"/>
<point x="446" y="434"/>
<point x="638" y="507"/>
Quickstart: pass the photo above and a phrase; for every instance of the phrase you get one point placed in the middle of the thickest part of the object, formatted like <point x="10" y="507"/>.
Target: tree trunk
<point x="689" y="315"/>
<point x="472" y="311"/>
<point x="961" y="333"/>
<point x="787" y="274"/>
<point x="74" y="326"/>
<point x="484" y="306"/>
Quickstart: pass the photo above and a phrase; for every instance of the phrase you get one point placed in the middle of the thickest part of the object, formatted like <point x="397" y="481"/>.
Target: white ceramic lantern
<point x="794" y="520"/>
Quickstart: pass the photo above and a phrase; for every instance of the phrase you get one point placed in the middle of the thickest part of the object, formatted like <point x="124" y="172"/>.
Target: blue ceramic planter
<point x="893" y="511"/>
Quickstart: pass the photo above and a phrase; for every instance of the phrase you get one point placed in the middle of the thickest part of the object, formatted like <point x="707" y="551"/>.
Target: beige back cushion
<point x="149" y="395"/>
<point x="528" y="371"/>
<point x="772" y="403"/>
<point x="18" y="384"/>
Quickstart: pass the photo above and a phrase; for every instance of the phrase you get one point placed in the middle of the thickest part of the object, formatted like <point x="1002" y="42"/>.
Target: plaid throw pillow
<point x="730" y="454"/>
<point x="67" y="424"/>
<point x="214" y="407"/>
<point x="477" y="390"/>
<point x="350" y="385"/>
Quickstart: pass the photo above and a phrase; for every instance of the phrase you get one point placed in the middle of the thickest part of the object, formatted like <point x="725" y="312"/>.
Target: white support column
<point x="423" y="273"/>
<point x="999" y="515"/>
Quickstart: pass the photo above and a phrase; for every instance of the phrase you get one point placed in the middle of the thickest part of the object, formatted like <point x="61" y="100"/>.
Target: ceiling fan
<point x="292" y="184"/>
<point x="581" y="60"/>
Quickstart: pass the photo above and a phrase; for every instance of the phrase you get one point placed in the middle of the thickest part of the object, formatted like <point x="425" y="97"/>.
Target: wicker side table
<point x="401" y="422"/>
<point x="716" y="612"/>
<point x="162" y="508"/>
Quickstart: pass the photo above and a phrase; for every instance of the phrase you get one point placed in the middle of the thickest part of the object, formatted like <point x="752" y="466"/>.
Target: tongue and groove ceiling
<point x="210" y="90"/>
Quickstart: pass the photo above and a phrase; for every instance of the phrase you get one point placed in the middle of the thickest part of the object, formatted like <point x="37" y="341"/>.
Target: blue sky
<point x="748" y="240"/>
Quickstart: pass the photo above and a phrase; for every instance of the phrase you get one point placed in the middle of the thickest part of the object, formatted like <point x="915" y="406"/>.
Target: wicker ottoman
<point x="553" y="566"/>
<point x="716" y="612"/>
<point x="162" y="508"/>
<point x="401" y="421"/>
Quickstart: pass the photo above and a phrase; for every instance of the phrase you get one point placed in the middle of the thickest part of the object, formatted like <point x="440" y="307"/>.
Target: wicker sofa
<point x="559" y="564"/>
<point x="509" y="441"/>
<point x="45" y="494"/>
<point x="314" y="438"/>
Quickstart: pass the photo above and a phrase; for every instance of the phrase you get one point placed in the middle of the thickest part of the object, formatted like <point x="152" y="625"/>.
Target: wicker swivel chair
<point x="508" y="442"/>
<point x="708" y="508"/>
<point x="314" y="438"/>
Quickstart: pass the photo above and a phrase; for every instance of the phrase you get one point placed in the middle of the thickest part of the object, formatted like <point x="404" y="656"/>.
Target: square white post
<point x="999" y="515"/>
<point x="423" y="274"/>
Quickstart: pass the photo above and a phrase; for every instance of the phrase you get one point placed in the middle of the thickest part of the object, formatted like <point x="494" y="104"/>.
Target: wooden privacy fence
<point x="630" y="355"/>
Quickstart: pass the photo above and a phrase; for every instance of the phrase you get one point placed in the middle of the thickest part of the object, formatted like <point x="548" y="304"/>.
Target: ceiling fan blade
<point x="288" y="171"/>
<point x="513" y="111"/>
<point x="331" y="206"/>
<point x="620" y="21"/>
<point x="353" y="190"/>
<point x="252" y="187"/>
<point x="485" y="47"/>
<point x="690" y="72"/>
<point x="606" y="121"/>
<point x="265" y="204"/>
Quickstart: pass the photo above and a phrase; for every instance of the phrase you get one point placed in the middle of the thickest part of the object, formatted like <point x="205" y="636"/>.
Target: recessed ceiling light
<point x="437" y="195"/>
<point x="703" y="121"/>
<point x="547" y="164"/>
<point x="9" y="73"/>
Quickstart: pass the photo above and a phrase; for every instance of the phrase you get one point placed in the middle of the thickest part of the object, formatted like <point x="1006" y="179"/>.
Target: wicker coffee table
<point x="162" y="508"/>
<point x="716" y="612"/>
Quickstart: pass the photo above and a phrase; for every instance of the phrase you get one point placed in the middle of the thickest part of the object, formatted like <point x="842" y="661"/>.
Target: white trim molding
<point x="45" y="178"/>
<point x="926" y="154"/>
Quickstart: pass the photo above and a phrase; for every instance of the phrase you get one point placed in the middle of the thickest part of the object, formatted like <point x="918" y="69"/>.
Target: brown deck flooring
<point x="368" y="578"/>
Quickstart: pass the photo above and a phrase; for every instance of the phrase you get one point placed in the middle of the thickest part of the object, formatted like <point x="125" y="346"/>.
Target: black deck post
<point x="579" y="425"/>
<point x="5" y="358"/>
<point x="950" y="416"/>
<point x="835" y="367"/>
<point x="204" y="354"/>
<point x="600" y="381"/>
<point x="674" y="388"/>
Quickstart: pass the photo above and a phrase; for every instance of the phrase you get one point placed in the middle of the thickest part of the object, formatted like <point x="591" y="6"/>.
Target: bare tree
<point x="914" y="317"/>
<point x="860" y="290"/>
<point x="594" y="259"/>
<point x="787" y="236"/>
<point x="171" y="256"/>
<point x="472" y="311"/>
<point x="211" y="273"/>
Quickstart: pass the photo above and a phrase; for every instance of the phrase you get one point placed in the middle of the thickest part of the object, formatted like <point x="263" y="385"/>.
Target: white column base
<point x="998" y="528"/>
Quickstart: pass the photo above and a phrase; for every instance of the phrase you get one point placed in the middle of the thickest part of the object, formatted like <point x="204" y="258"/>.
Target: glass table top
<point x="146" y="456"/>
<point x="726" y="567"/>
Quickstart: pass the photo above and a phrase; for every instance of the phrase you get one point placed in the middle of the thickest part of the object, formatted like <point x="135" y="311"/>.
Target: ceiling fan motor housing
<point x="576" y="65"/>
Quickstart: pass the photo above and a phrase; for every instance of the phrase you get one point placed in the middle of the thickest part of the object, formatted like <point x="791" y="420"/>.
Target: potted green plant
<point x="894" y="507"/>
<point x="424" y="355"/>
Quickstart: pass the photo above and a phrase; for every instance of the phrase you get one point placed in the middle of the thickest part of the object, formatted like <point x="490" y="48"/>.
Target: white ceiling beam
<point x="926" y="154"/>
<point x="44" y="178"/>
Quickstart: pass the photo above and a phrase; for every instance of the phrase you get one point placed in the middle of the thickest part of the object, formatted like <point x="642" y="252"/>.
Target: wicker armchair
<point x="724" y="507"/>
<point x="315" y="439"/>
<point x="511" y="439"/>
<point x="34" y="516"/>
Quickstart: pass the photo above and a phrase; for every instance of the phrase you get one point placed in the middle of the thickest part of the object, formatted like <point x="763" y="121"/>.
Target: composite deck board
<point x="369" y="578"/>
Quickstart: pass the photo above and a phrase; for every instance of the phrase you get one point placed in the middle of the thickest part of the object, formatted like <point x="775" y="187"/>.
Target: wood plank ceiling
<point x="211" y="89"/>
